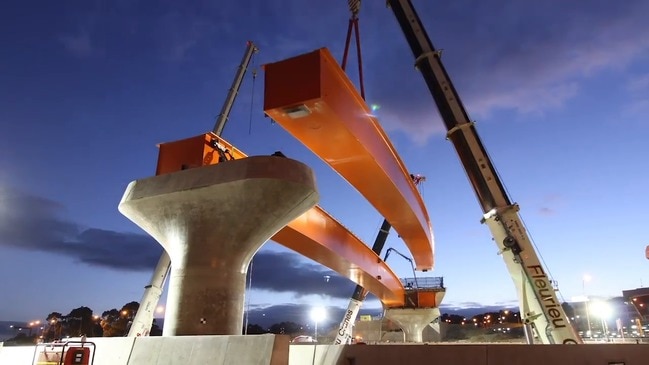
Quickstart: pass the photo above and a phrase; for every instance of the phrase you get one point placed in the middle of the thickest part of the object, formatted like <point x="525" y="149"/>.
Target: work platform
<point x="426" y="292"/>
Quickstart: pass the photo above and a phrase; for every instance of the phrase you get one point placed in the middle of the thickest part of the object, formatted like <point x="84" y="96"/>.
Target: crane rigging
<point x="344" y="334"/>
<point x="251" y="49"/>
<point x="414" y="272"/>
<point x="538" y="302"/>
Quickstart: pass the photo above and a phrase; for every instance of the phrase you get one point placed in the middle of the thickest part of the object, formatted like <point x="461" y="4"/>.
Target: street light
<point x="604" y="311"/>
<point x="318" y="314"/>
<point x="586" y="278"/>
<point x="29" y="326"/>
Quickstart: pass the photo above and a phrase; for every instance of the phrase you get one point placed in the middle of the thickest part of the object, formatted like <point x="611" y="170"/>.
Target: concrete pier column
<point x="212" y="220"/>
<point x="412" y="321"/>
<point x="434" y="333"/>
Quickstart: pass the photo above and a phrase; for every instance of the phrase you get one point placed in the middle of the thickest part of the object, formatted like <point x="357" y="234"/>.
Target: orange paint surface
<point x="311" y="97"/>
<point x="427" y="299"/>
<point x="315" y="234"/>
<point x="193" y="152"/>
<point x="420" y="298"/>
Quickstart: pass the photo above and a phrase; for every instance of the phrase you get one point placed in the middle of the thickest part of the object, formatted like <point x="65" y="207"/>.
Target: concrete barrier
<point x="112" y="350"/>
<point x="275" y="350"/>
<point x="16" y="355"/>
<point x="461" y="354"/>
<point x="591" y="354"/>
<point x="386" y="354"/>
<point x="181" y="350"/>
<point x="315" y="354"/>
<point x="215" y="350"/>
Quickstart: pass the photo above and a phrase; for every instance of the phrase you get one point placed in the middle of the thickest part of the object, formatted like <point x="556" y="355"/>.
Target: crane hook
<point x="354" y="7"/>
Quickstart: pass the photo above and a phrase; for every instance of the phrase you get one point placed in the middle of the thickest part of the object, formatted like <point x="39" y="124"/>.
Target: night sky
<point x="559" y="91"/>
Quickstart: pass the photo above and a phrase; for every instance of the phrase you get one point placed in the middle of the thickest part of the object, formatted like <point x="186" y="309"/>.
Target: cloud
<point x="638" y="108"/>
<point x="268" y="315"/>
<point x="639" y="83"/>
<point x="519" y="56"/>
<point x="181" y="33"/>
<point x="547" y="211"/>
<point x="638" y="105"/>
<point x="469" y="309"/>
<point x="35" y="223"/>
<point x="462" y="305"/>
<point x="539" y="66"/>
<point x="549" y="204"/>
<point x="78" y="44"/>
<point x="290" y="272"/>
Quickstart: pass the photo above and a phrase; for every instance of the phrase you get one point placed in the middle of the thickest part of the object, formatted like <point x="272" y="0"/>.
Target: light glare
<point x="318" y="314"/>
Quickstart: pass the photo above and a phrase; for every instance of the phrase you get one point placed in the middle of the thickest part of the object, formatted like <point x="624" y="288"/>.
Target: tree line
<point x="83" y="321"/>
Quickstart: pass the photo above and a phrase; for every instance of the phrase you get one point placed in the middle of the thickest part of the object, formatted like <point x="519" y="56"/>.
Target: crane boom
<point x="234" y="89"/>
<point x="344" y="334"/>
<point x="143" y="320"/>
<point x="538" y="302"/>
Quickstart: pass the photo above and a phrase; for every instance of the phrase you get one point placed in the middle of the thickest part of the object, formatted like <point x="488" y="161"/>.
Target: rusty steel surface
<point x="315" y="234"/>
<point x="311" y="97"/>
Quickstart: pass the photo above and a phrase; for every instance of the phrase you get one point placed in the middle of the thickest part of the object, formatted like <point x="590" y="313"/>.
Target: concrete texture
<point x="217" y="350"/>
<point x="488" y="354"/>
<point x="375" y="331"/>
<point x="112" y="350"/>
<point x="317" y="354"/>
<point x="412" y="320"/>
<point x="211" y="220"/>
<point x="434" y="332"/>
<point x="16" y="355"/>
<point x="185" y="350"/>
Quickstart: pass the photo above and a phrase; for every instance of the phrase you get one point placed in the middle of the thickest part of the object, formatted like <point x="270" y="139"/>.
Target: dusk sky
<point x="559" y="91"/>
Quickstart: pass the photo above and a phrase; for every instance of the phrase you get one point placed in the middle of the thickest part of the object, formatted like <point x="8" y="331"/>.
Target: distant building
<point x="627" y="314"/>
<point x="638" y="299"/>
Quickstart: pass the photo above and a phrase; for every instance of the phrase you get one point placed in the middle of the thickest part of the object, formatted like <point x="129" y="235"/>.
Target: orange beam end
<point x="311" y="97"/>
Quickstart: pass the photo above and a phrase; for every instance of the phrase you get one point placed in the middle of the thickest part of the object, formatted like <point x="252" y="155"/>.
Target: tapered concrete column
<point x="435" y="332"/>
<point x="212" y="220"/>
<point x="412" y="321"/>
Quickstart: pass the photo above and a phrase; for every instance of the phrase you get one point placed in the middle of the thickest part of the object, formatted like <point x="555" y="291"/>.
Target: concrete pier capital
<point x="412" y="321"/>
<point x="211" y="220"/>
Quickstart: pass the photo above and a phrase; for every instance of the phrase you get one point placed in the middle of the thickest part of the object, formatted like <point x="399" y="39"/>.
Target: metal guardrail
<point x="64" y="353"/>
<point x="423" y="283"/>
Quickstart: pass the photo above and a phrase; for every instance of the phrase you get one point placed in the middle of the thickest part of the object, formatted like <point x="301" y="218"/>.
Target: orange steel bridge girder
<point x="311" y="97"/>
